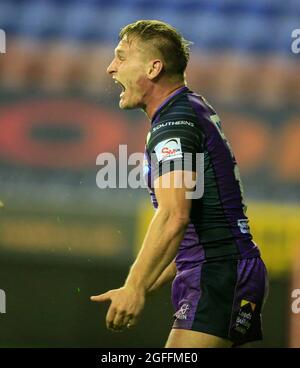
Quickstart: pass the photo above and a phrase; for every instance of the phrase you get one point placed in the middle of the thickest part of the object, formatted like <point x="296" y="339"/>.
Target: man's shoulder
<point x="180" y="109"/>
<point x="187" y="106"/>
<point x="180" y="118"/>
<point x="178" y="121"/>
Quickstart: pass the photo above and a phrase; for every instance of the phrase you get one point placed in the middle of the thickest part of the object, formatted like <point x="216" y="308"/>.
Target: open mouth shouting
<point x="121" y="86"/>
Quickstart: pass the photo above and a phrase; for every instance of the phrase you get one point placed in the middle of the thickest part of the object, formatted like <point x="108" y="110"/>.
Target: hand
<point x="126" y="305"/>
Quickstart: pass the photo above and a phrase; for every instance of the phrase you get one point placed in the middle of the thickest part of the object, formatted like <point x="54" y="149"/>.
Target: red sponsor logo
<point x="166" y="151"/>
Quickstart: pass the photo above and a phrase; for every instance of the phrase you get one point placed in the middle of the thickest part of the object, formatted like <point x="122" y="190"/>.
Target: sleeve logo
<point x="168" y="149"/>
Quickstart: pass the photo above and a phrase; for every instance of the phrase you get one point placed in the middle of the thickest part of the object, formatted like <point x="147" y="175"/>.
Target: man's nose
<point x="111" y="68"/>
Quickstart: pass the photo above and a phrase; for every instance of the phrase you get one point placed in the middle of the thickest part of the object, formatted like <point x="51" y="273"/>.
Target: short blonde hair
<point x="174" y="49"/>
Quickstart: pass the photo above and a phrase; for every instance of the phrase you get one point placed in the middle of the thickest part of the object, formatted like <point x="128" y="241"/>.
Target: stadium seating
<point x="50" y="39"/>
<point x="88" y="20"/>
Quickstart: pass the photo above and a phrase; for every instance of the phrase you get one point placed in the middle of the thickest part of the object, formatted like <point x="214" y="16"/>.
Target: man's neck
<point x="158" y="95"/>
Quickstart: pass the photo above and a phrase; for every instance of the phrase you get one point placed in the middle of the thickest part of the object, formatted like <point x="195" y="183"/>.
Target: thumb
<point x="101" y="298"/>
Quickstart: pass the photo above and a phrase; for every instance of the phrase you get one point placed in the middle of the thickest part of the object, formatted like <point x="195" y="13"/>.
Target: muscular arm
<point x="159" y="248"/>
<point x="164" y="234"/>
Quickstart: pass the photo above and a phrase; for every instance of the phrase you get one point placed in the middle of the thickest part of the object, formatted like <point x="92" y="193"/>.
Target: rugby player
<point x="203" y="244"/>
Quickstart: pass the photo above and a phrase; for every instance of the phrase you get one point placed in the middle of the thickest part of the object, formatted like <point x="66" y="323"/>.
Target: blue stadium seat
<point x="254" y="34"/>
<point x="248" y="26"/>
<point x="117" y="17"/>
<point x="188" y="6"/>
<point x="82" y="21"/>
<point x="8" y="20"/>
<point x="103" y="3"/>
<point x="267" y="8"/>
<point x="226" y="7"/>
<point x="293" y="7"/>
<point x="39" y="19"/>
<point x="144" y="5"/>
<point x="212" y="31"/>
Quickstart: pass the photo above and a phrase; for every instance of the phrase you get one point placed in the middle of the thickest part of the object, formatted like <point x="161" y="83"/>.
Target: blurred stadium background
<point x="63" y="239"/>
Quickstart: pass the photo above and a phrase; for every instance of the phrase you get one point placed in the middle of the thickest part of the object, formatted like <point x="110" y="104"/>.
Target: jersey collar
<point x="166" y="101"/>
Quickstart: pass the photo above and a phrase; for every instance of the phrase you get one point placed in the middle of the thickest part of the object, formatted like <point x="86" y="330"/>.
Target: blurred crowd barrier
<point x="263" y="80"/>
<point x="55" y="136"/>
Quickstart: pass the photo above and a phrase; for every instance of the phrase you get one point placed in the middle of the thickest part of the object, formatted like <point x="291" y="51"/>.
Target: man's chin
<point x="121" y="104"/>
<point x="125" y="105"/>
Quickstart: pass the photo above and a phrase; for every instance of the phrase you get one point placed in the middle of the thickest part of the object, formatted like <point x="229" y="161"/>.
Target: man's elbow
<point x="175" y="218"/>
<point x="179" y="221"/>
<point x="183" y="220"/>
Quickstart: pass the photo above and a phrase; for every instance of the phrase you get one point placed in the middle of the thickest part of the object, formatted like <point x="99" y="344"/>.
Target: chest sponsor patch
<point x="168" y="149"/>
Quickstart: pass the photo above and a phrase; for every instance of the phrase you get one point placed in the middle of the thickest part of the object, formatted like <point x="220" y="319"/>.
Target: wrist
<point x="135" y="285"/>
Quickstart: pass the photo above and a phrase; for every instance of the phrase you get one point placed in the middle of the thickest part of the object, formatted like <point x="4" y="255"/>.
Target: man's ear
<point x="155" y="68"/>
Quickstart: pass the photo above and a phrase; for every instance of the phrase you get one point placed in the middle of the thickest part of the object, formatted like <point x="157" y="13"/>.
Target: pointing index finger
<point x="101" y="297"/>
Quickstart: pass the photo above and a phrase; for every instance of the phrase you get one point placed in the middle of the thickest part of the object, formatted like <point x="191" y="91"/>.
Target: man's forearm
<point x="167" y="275"/>
<point x="158" y="250"/>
